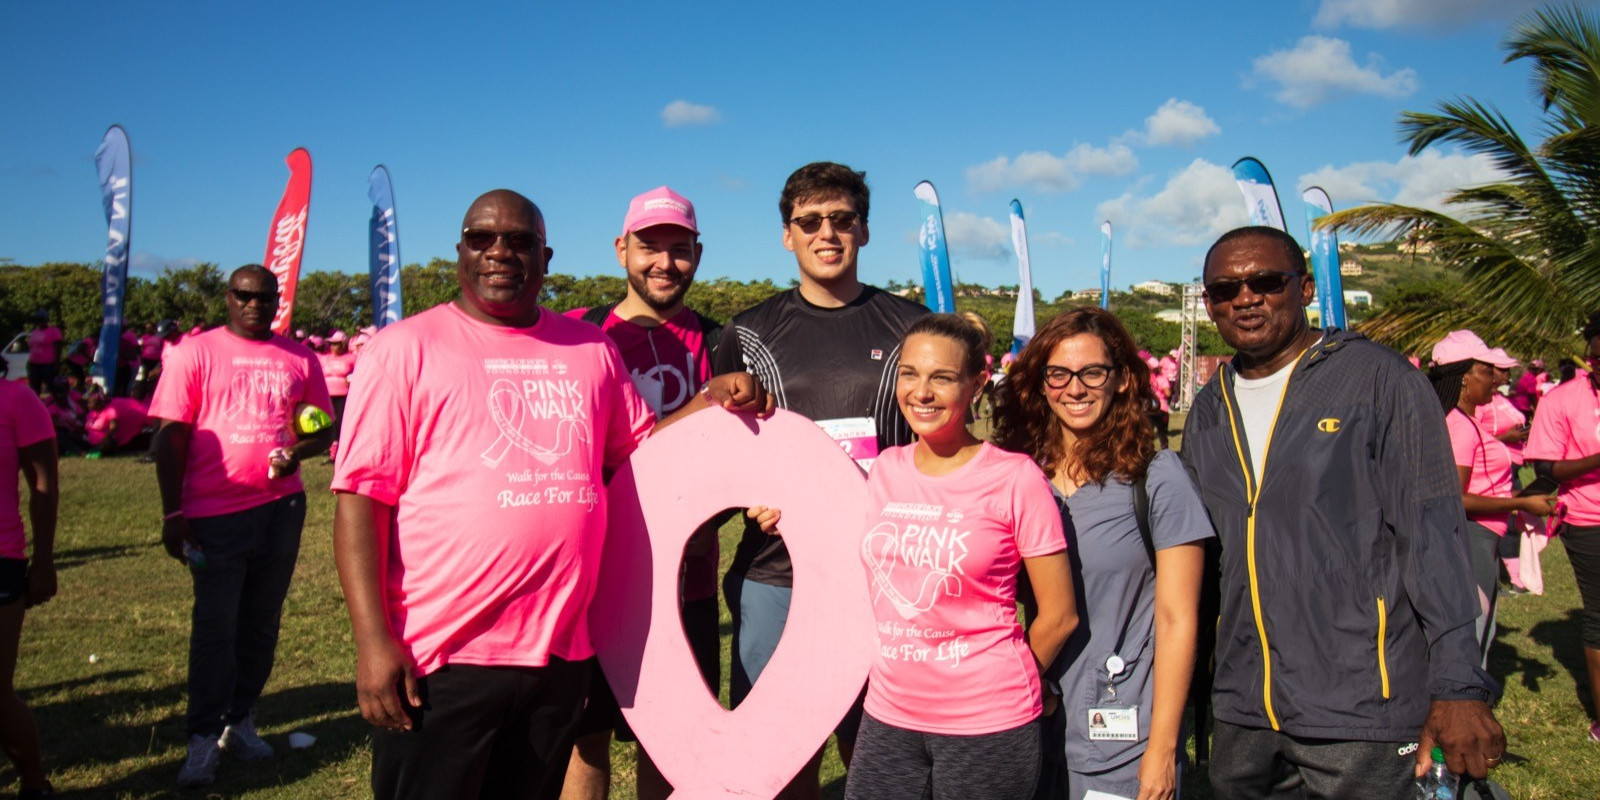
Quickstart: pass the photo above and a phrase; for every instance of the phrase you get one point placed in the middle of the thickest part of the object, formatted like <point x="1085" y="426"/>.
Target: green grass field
<point x="103" y="666"/>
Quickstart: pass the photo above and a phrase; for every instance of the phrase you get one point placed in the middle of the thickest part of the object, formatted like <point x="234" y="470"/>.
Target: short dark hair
<point x="974" y="342"/>
<point x="1291" y="248"/>
<point x="257" y="269"/>
<point x="825" y="180"/>
<point x="1591" y="329"/>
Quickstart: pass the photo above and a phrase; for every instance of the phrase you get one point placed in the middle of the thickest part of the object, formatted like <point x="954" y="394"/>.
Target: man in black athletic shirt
<point x="826" y="349"/>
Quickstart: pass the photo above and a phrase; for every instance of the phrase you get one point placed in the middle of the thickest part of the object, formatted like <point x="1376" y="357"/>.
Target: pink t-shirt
<point x="23" y="421"/>
<point x="668" y="364"/>
<point x="942" y="555"/>
<point x="1497" y="417"/>
<point x="150" y="347"/>
<point x="42" y="345"/>
<point x="336" y="371"/>
<point x="128" y="350"/>
<point x="239" y="395"/>
<point x="1567" y="427"/>
<point x="129" y="414"/>
<point x="1488" y="461"/>
<point x="492" y="444"/>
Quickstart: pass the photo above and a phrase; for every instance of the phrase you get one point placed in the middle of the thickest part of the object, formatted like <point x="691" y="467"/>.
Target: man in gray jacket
<point x="1345" y="649"/>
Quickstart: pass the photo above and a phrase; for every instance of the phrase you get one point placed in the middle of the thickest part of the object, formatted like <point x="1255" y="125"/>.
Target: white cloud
<point x="679" y="113"/>
<point x="1047" y="172"/>
<point x="1319" y="68"/>
<point x="1197" y="205"/>
<point x="1178" y="122"/>
<point x="975" y="237"/>
<point x="1417" y="13"/>
<point x="1421" y="180"/>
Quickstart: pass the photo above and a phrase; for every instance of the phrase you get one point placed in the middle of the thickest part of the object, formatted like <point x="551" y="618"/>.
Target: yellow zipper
<point x="1253" y="491"/>
<point x="1383" y="630"/>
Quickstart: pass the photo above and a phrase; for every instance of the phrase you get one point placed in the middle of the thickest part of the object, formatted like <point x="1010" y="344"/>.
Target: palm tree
<point x="1526" y="247"/>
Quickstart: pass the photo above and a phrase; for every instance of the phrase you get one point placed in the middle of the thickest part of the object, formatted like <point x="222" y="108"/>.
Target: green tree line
<point x="325" y="301"/>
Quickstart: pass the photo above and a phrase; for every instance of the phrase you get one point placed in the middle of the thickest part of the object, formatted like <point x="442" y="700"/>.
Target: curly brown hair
<point x="1121" y="445"/>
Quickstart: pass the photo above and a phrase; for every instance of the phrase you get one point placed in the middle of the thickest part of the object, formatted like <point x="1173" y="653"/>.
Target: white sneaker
<point x="201" y="766"/>
<point x="241" y="740"/>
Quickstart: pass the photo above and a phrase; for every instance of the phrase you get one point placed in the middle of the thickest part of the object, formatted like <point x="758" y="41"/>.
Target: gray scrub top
<point x="1116" y="587"/>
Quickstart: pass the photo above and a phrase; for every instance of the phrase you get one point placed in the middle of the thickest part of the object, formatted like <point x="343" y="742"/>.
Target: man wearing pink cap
<point x="666" y="347"/>
<point x="1565" y="444"/>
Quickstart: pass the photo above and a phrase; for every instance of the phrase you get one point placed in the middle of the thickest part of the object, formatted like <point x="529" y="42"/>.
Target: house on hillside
<point x="1155" y="287"/>
<point x="1087" y="294"/>
<point x="1357" y="297"/>
<point x="1350" y="268"/>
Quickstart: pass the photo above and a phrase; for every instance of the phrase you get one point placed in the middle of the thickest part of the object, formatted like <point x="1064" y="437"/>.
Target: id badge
<point x="857" y="436"/>
<point x="1113" y="724"/>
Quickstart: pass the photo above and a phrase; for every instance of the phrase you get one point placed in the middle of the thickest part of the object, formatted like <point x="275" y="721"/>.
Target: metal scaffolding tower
<point x="1188" y="347"/>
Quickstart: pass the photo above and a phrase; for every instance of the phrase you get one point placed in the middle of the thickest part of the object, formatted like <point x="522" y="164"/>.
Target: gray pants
<point x="238" y="601"/>
<point x="1260" y="763"/>
<point x="897" y="764"/>
<point x="1483" y="548"/>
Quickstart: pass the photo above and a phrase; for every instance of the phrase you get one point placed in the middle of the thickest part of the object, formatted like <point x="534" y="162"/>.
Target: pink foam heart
<point x="711" y="461"/>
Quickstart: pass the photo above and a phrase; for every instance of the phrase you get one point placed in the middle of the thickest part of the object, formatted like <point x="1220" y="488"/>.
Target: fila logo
<point x="1328" y="425"/>
<point x="877" y="355"/>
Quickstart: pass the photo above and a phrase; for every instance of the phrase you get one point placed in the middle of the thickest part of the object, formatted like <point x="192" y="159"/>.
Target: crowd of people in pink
<point x="1323" y="557"/>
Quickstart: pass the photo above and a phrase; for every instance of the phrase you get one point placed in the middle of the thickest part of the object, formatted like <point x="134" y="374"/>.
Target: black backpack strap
<point x="710" y="330"/>
<point x="597" y="315"/>
<point x="1141" y="514"/>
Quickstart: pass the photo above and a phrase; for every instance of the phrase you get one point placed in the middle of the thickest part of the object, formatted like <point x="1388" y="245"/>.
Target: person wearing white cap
<point x="666" y="347"/>
<point x="1463" y="377"/>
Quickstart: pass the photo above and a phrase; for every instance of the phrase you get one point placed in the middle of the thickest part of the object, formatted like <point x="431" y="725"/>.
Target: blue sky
<point x="1126" y="111"/>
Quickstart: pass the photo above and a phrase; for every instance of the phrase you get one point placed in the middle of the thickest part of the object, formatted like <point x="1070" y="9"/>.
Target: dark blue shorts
<point x="13" y="580"/>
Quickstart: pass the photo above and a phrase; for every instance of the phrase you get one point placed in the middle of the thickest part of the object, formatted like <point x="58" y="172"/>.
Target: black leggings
<point x="897" y="764"/>
<point x="1583" y="550"/>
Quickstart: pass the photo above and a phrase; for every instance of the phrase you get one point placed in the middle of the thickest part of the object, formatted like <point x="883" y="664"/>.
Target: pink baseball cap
<point x="659" y="206"/>
<point x="1458" y="346"/>
<point x="1500" y="358"/>
<point x="337" y="337"/>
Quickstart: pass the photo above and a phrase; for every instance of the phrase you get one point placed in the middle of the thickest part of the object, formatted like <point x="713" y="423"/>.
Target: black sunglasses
<point x="1093" y="376"/>
<point x="520" y="242"/>
<point x="1259" y="283"/>
<point x="244" y="298"/>
<point x="843" y="221"/>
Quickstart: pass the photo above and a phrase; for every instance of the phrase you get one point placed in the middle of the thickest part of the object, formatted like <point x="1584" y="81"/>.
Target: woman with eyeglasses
<point x="1076" y="403"/>
<point x="954" y="698"/>
<point x="1463" y="376"/>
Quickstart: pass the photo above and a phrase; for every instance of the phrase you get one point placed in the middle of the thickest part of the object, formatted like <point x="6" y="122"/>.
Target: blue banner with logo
<point x="383" y="250"/>
<point x="1105" y="264"/>
<point x="1260" y="197"/>
<point x="1022" y="326"/>
<point x="114" y="163"/>
<point x="938" y="292"/>
<point x="1325" y="258"/>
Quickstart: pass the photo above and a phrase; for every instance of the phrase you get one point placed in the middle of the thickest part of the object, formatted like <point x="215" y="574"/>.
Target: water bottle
<point x="1437" y="783"/>
<point x="196" y="558"/>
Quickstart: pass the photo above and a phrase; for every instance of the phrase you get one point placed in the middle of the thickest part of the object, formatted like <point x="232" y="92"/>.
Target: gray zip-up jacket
<point x="1347" y="602"/>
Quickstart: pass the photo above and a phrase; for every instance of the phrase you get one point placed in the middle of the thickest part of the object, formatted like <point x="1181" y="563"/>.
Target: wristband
<point x="174" y="515"/>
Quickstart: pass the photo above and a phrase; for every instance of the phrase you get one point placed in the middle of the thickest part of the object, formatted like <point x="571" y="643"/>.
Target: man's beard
<point x="657" y="301"/>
